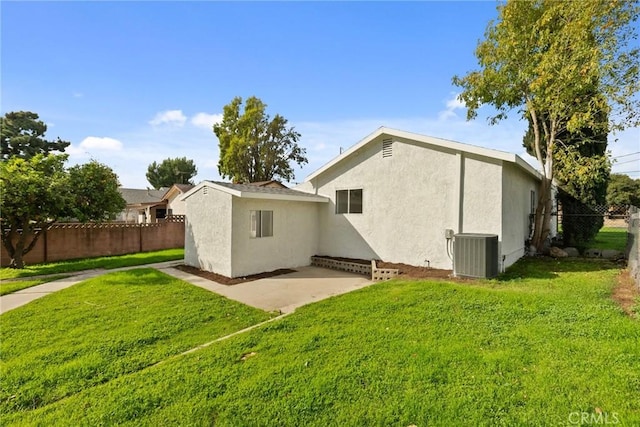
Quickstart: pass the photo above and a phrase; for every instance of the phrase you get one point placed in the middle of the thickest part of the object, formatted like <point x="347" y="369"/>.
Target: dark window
<point x="349" y="201"/>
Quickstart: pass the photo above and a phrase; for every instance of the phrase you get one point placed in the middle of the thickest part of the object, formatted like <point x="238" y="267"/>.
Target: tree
<point x="623" y="190"/>
<point x="581" y="168"/>
<point x="547" y="58"/>
<point x="94" y="192"/>
<point x="255" y="148"/>
<point x="38" y="191"/>
<point x="171" y="171"/>
<point x="22" y="135"/>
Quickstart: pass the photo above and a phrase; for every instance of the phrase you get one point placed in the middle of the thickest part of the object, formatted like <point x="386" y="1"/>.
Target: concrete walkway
<point x="282" y="293"/>
<point x="285" y="292"/>
<point x="25" y="296"/>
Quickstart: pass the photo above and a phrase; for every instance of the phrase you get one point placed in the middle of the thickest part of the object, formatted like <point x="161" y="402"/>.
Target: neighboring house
<point x="173" y="199"/>
<point x="143" y="206"/>
<point x="392" y="196"/>
<point x="272" y="184"/>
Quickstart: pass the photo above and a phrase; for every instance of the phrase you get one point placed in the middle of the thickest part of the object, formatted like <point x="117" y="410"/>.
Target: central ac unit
<point x="475" y="255"/>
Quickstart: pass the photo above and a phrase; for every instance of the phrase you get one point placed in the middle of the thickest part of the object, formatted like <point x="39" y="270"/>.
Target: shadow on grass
<point x="548" y="268"/>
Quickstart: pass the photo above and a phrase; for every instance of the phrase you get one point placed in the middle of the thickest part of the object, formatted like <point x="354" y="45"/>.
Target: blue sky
<point x="129" y="83"/>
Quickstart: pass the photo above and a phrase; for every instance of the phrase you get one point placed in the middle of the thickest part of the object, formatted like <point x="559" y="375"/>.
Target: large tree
<point x="22" y="135"/>
<point x="581" y="169"/>
<point x="38" y="191"/>
<point x="546" y="58"/>
<point x="623" y="190"/>
<point x="254" y="147"/>
<point x="171" y="171"/>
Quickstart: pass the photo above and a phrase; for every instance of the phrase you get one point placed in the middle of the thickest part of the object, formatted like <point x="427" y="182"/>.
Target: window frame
<point x="260" y="223"/>
<point x="341" y="209"/>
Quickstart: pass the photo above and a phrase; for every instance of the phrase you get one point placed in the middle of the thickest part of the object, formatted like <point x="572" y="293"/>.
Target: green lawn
<point x="102" y="329"/>
<point x="541" y="345"/>
<point x="93" y="263"/>
<point x="610" y="238"/>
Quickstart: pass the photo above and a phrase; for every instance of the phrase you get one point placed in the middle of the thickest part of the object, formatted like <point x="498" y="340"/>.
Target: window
<point x="348" y="201"/>
<point x="533" y="202"/>
<point x="261" y="223"/>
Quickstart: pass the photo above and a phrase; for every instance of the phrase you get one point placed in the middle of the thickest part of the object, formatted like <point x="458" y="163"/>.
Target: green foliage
<point x="547" y="59"/>
<point x="106" y="263"/>
<point x="255" y="148"/>
<point x="623" y="190"/>
<point x="38" y="191"/>
<point x="171" y="171"/>
<point x="22" y="135"/>
<point x="94" y="187"/>
<point x="397" y="353"/>
<point x="103" y="328"/>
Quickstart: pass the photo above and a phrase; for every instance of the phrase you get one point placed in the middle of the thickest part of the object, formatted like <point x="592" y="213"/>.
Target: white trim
<point x="256" y="195"/>
<point x="438" y="142"/>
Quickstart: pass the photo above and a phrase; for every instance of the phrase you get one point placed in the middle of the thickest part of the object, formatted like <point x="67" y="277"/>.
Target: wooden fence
<point x="65" y="241"/>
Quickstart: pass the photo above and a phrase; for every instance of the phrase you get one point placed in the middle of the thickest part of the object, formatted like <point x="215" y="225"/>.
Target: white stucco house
<point x="392" y="196"/>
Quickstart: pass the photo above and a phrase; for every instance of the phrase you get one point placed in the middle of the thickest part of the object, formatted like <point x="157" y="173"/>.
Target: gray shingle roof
<point x="248" y="188"/>
<point x="135" y="196"/>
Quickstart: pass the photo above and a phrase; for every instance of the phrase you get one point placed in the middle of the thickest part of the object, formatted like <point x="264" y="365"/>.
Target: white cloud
<point x="101" y="143"/>
<point x="206" y="121"/>
<point x="170" y="117"/>
<point x="453" y="104"/>
<point x="78" y="94"/>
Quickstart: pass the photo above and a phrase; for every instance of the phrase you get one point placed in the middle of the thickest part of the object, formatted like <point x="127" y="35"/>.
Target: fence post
<point x="46" y="246"/>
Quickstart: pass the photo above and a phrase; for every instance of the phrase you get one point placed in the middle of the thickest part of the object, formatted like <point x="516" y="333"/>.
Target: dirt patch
<point x="405" y="271"/>
<point x="625" y="293"/>
<point x="412" y="272"/>
<point x="224" y="280"/>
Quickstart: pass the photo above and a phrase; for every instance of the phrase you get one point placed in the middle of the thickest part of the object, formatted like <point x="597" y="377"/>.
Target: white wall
<point x="516" y="207"/>
<point x="177" y="206"/>
<point x="482" y="202"/>
<point x="294" y="240"/>
<point x="413" y="196"/>
<point x="409" y="200"/>
<point x="208" y="231"/>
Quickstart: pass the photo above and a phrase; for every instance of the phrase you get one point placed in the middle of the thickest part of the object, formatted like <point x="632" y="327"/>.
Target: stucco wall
<point x="177" y="206"/>
<point x="294" y="240"/>
<point x="208" y="231"/>
<point x="482" y="204"/>
<point x="409" y="199"/>
<point x="516" y="207"/>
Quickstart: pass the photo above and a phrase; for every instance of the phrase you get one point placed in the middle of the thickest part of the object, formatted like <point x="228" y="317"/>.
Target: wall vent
<point x="475" y="255"/>
<point x="387" y="147"/>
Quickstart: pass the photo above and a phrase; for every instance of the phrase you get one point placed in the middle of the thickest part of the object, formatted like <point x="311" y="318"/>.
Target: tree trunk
<point x="19" y="244"/>
<point x="542" y="224"/>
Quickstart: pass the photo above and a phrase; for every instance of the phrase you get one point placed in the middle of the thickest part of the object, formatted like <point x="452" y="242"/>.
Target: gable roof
<point x="429" y="140"/>
<point x="135" y="196"/>
<point x="177" y="188"/>
<point x="249" y="191"/>
<point x="272" y="183"/>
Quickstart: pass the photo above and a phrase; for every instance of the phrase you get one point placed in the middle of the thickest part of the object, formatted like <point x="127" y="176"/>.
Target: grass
<point x="538" y="346"/>
<point x="18" y="285"/>
<point x="610" y="238"/>
<point x="107" y="263"/>
<point x="104" y="328"/>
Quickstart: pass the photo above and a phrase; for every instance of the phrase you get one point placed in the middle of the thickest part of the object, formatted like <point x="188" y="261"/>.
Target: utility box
<point x="475" y="255"/>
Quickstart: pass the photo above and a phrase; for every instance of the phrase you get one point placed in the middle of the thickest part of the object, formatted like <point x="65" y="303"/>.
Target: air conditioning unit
<point x="475" y="255"/>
